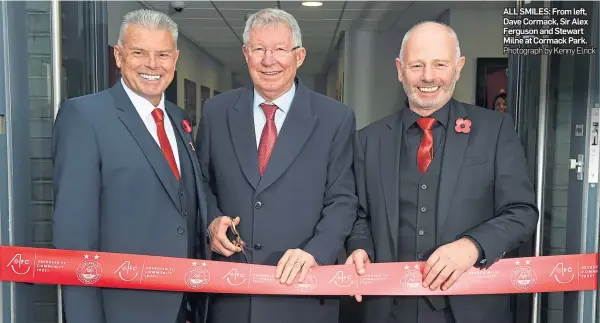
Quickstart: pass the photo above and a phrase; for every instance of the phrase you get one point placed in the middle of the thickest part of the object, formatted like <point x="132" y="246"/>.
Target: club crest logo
<point x="523" y="277"/>
<point x="89" y="271"/>
<point x="197" y="277"/>
<point x="309" y="283"/>
<point x="412" y="278"/>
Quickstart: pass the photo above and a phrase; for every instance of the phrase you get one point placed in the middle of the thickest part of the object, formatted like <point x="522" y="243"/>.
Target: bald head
<point x="430" y="30"/>
<point x="429" y="66"/>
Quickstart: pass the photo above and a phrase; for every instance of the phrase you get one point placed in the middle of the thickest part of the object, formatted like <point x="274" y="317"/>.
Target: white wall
<point x="371" y="85"/>
<point x="193" y="64"/>
<point x="484" y="40"/>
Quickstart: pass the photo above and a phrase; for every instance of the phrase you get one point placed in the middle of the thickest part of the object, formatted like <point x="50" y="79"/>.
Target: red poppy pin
<point x="186" y="126"/>
<point x="463" y="125"/>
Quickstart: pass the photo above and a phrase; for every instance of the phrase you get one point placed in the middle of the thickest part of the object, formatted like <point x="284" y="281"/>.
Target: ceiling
<point x="217" y="26"/>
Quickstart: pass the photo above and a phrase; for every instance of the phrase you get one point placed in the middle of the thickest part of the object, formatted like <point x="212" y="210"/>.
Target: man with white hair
<point x="127" y="180"/>
<point x="278" y="159"/>
<point x="442" y="182"/>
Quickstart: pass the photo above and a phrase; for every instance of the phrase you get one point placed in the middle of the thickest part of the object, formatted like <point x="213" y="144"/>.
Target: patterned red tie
<point x="165" y="146"/>
<point x="425" y="153"/>
<point x="267" y="138"/>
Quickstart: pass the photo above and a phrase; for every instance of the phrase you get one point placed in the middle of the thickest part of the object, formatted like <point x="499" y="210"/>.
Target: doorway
<point x="556" y="108"/>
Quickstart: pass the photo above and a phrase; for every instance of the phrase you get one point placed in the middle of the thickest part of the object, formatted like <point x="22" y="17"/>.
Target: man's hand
<point x="292" y="262"/>
<point x="359" y="258"/>
<point x="448" y="263"/>
<point x="219" y="242"/>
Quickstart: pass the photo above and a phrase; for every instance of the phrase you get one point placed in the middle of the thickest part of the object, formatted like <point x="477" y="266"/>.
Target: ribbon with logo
<point x="111" y="270"/>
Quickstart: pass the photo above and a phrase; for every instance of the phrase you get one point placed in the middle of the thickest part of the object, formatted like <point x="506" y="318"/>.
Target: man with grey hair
<point x="127" y="180"/>
<point x="456" y="192"/>
<point x="278" y="159"/>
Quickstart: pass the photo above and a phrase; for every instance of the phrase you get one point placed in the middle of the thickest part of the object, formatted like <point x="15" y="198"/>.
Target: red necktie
<point x="267" y="138"/>
<point x="158" y="116"/>
<point x="425" y="153"/>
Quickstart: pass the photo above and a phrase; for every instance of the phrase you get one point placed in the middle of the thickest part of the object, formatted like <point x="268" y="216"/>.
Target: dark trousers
<point x="183" y="315"/>
<point x="418" y="310"/>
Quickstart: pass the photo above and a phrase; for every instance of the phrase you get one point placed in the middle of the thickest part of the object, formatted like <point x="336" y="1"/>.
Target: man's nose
<point x="152" y="62"/>
<point x="427" y="75"/>
<point x="269" y="58"/>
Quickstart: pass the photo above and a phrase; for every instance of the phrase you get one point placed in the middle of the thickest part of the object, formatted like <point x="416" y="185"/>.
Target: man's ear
<point x="118" y="57"/>
<point x="399" y="68"/>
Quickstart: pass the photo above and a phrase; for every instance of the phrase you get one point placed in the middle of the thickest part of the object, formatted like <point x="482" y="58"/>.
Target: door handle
<point x="578" y="165"/>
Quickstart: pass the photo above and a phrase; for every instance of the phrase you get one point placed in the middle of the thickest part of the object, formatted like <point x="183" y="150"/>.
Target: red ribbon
<point x="81" y="268"/>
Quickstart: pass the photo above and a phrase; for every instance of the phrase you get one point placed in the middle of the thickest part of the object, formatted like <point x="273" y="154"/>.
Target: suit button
<point x="180" y="193"/>
<point x="421" y="232"/>
<point x="257" y="246"/>
<point x="180" y="230"/>
<point x="185" y="212"/>
<point x="423" y="209"/>
<point x="420" y="256"/>
<point x="423" y="187"/>
<point x="257" y="205"/>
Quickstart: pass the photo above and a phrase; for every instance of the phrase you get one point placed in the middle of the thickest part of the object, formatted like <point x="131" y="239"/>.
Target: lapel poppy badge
<point x="462" y="125"/>
<point x="186" y="126"/>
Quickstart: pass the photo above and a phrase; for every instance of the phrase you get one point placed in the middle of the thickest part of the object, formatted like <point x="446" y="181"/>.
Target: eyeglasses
<point x="260" y="52"/>
<point x="239" y="242"/>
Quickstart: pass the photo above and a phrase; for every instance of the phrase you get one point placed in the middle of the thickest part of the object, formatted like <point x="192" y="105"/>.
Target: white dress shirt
<point x="144" y="109"/>
<point x="283" y="104"/>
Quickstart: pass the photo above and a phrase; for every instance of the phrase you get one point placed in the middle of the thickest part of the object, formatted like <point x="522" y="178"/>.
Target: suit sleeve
<point x="514" y="200"/>
<point x="361" y="237"/>
<point x="203" y="153"/>
<point x="339" y="208"/>
<point x="77" y="189"/>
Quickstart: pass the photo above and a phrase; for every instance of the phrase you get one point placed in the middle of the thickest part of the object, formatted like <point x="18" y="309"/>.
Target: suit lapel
<point x="176" y="116"/>
<point x="454" y="152"/>
<point x="131" y="119"/>
<point x="389" y="166"/>
<point x="241" y="126"/>
<point x="298" y="125"/>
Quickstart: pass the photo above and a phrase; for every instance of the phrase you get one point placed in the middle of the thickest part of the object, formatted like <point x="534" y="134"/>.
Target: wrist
<point x="471" y="248"/>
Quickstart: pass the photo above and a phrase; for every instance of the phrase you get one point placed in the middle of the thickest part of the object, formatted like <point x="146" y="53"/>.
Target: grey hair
<point x="150" y="19"/>
<point x="269" y="17"/>
<point x="448" y="29"/>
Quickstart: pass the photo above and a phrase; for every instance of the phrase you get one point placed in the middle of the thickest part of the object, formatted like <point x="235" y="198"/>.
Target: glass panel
<point x="564" y="192"/>
<point x="84" y="49"/>
<point x="39" y="60"/>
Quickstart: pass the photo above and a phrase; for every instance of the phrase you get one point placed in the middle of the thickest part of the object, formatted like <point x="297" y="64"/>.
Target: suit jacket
<point x="114" y="192"/>
<point x="484" y="193"/>
<point x="306" y="198"/>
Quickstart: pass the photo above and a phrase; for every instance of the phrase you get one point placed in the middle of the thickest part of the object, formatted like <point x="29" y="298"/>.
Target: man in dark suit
<point x="439" y="181"/>
<point x="278" y="159"/>
<point x="126" y="177"/>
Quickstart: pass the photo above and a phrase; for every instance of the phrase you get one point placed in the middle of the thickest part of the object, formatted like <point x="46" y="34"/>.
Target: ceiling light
<point x="312" y="3"/>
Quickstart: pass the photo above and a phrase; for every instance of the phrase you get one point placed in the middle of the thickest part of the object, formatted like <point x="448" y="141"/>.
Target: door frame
<point x="530" y="108"/>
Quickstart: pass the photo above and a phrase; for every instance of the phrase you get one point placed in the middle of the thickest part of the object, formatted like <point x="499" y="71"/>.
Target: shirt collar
<point x="409" y="117"/>
<point x="141" y="104"/>
<point x="283" y="102"/>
